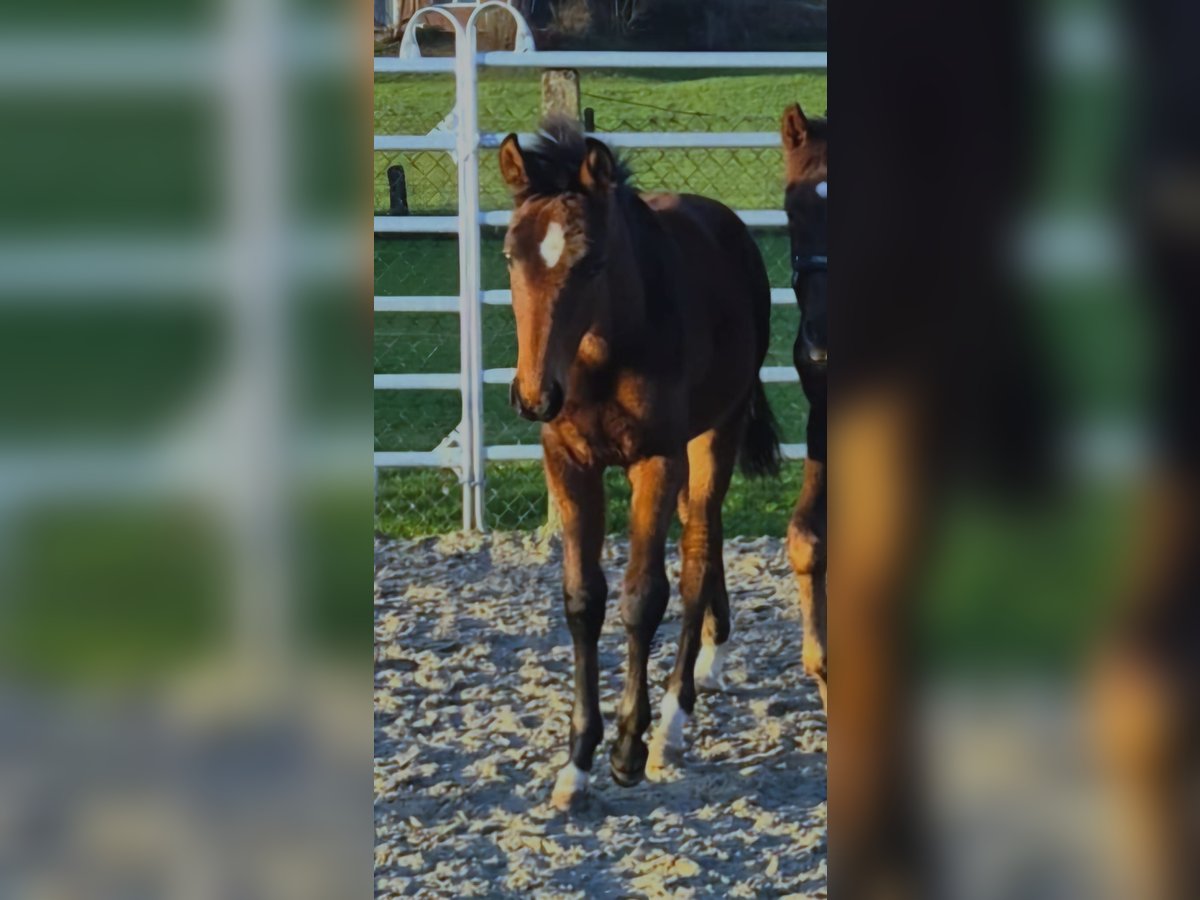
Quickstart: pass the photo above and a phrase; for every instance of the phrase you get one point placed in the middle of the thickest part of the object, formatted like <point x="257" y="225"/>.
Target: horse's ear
<point x="512" y="166"/>
<point x="599" y="169"/>
<point x="794" y="127"/>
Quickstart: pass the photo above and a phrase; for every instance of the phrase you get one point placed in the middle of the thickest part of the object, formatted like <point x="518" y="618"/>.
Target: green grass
<point x="414" y="503"/>
<point x="623" y="101"/>
<point x="631" y="99"/>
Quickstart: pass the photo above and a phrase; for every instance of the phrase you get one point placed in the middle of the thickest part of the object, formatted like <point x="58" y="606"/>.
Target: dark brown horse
<point x="805" y="148"/>
<point x="642" y="321"/>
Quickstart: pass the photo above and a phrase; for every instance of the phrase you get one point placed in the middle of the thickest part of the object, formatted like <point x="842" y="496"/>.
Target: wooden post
<point x="560" y="93"/>
<point x="397" y="192"/>
<point x="560" y="96"/>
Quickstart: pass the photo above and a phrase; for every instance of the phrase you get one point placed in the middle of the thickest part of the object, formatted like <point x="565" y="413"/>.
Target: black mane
<point x="553" y="160"/>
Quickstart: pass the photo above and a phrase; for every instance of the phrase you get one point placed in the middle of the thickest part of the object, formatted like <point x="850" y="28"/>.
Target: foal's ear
<point x="599" y="169"/>
<point x="794" y="127"/>
<point x="512" y="166"/>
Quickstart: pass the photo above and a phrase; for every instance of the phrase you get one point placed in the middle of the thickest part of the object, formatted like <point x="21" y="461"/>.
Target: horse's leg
<point x="579" y="495"/>
<point x="717" y="624"/>
<point x="716" y="616"/>
<point x="682" y="505"/>
<point x="808" y="555"/>
<point x="656" y="482"/>
<point x="702" y="586"/>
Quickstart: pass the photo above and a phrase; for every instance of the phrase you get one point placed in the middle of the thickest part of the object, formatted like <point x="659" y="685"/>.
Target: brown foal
<point x="642" y="321"/>
<point x="806" y="160"/>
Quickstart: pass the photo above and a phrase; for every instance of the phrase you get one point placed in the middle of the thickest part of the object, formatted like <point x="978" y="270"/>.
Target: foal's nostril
<point x="548" y="407"/>
<point x="552" y="403"/>
<point x="515" y="401"/>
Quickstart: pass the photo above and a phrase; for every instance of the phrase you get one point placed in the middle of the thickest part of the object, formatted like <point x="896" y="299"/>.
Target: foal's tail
<point x="759" y="455"/>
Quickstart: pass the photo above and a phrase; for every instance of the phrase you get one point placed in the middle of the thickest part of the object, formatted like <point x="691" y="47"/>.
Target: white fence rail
<point x="465" y="449"/>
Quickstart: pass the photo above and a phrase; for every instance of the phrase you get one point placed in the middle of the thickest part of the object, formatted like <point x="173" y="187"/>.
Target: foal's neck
<point x="622" y="317"/>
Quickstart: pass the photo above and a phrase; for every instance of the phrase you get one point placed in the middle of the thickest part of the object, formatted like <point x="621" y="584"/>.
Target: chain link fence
<point x="422" y="501"/>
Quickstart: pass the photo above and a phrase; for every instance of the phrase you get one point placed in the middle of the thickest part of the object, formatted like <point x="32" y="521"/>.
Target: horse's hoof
<point x="627" y="778"/>
<point x="628" y="761"/>
<point x="672" y="722"/>
<point x="664" y="757"/>
<point x="666" y="747"/>
<point x="815" y="668"/>
<point x="709" y="664"/>
<point x="570" y="788"/>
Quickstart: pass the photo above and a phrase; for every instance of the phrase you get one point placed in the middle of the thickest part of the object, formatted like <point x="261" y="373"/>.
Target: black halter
<point x="804" y="266"/>
<point x="808" y="265"/>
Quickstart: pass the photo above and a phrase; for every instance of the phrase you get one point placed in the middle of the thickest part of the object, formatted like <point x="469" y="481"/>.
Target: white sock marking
<point x="709" y="663"/>
<point x="670" y="727"/>
<point x="571" y="781"/>
<point x="553" y="244"/>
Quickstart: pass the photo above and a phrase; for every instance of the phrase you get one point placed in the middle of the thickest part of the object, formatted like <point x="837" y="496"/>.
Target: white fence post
<point x="467" y="226"/>
<point x="470" y="239"/>
<point x="469" y="277"/>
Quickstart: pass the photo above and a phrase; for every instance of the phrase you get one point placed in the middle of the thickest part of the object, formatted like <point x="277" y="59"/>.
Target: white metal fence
<point x="465" y="450"/>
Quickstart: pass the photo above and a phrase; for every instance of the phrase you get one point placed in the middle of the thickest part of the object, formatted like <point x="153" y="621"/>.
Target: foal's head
<point x="562" y="187"/>
<point x="805" y="151"/>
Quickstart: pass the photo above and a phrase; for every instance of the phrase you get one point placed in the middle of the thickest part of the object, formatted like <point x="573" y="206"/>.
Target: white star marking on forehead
<point x="823" y="189"/>
<point x="553" y="244"/>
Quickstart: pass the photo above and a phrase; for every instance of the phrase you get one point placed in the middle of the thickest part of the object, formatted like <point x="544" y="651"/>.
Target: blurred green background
<point x="129" y="331"/>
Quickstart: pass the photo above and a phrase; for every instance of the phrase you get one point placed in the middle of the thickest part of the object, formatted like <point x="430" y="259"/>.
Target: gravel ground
<point x="472" y="700"/>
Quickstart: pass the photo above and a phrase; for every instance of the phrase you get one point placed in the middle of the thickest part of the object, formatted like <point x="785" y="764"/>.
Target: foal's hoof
<point x="708" y="671"/>
<point x="816" y="668"/>
<point x="628" y="762"/>
<point x="666" y="747"/>
<point x="570" y="788"/>
<point x="627" y="779"/>
<point x="664" y="759"/>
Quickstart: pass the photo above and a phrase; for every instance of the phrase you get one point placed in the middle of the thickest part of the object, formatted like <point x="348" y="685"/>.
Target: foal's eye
<point x="508" y="259"/>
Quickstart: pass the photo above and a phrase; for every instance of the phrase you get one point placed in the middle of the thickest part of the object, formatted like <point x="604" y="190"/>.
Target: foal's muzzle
<point x="812" y="346"/>
<point x="547" y="408"/>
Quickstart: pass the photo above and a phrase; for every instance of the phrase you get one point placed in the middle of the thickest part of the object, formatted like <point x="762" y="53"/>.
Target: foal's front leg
<point x="656" y="482"/>
<point x="807" y="554"/>
<point x="579" y="495"/>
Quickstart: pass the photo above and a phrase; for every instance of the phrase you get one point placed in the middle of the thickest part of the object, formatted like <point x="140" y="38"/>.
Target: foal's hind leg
<point x="579" y="496"/>
<point x="702" y="587"/>
<point x="656" y="482"/>
<point x="711" y="658"/>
